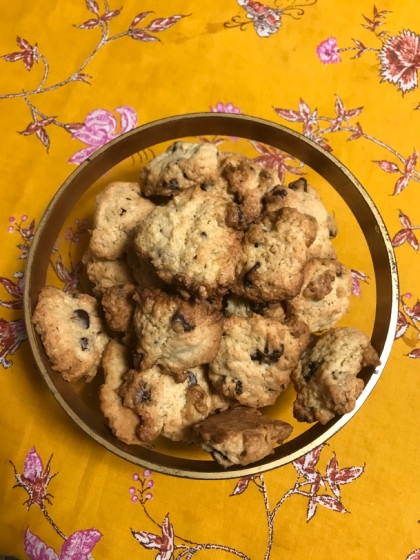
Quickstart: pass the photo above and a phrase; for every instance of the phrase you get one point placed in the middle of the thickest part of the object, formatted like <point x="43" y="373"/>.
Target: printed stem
<point x="53" y="525"/>
<point x="72" y="78"/>
<point x="192" y="551"/>
<point x="196" y="546"/>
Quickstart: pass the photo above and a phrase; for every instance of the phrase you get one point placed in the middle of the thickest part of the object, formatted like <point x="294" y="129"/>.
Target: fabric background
<point x="344" y="74"/>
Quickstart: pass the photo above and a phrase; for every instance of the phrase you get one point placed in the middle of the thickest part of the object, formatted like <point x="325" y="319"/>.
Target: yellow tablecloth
<point x="79" y="73"/>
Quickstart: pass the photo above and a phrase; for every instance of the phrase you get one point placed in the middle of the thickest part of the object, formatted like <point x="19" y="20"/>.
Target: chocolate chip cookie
<point x="174" y="333"/>
<point x="71" y="331"/>
<point x="181" y="166"/>
<point x="325" y="295"/>
<point x="326" y="379"/>
<point x="255" y="358"/>
<point x="119" y="208"/>
<point x="240" y="436"/>
<point x="189" y="243"/>
<point x="104" y="274"/>
<point x="306" y="200"/>
<point x="274" y="255"/>
<point x="165" y="406"/>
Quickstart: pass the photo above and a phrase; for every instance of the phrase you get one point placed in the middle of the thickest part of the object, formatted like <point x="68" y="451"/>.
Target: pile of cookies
<point x="214" y="287"/>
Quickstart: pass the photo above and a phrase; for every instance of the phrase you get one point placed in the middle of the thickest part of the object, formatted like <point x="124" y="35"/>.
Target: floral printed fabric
<point x="76" y="75"/>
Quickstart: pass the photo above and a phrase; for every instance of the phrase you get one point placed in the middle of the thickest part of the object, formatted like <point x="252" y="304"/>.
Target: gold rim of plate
<point x="198" y="124"/>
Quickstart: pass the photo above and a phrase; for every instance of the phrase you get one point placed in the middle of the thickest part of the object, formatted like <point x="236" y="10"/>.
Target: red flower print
<point x="400" y="59"/>
<point x="165" y="543"/>
<point x="12" y="334"/>
<point x="276" y="159"/>
<point x="327" y="51"/>
<point x="406" y="234"/>
<point x="266" y="20"/>
<point x="35" y="479"/>
<point x="28" y="54"/>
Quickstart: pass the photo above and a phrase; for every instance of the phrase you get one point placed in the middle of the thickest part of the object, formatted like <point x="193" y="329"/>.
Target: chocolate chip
<point x="123" y="211"/>
<point x="257" y="356"/>
<point x="301" y="183"/>
<point x="266" y="357"/>
<point x="279" y="192"/>
<point x="192" y="380"/>
<point x="254" y="268"/>
<point x="275" y="355"/>
<point x="143" y="394"/>
<point x="282" y="386"/>
<point x="332" y="233"/>
<point x="238" y="387"/>
<point x="258" y="308"/>
<point x="137" y="357"/>
<point x="240" y="215"/>
<point x="203" y="187"/>
<point x="256" y="245"/>
<point x="172" y="185"/>
<point x="84" y="344"/>
<point x="216" y="453"/>
<point x="83" y="319"/>
<point x="312" y="369"/>
<point x="338" y="273"/>
<point x="75" y="296"/>
<point x="180" y="319"/>
<point x="126" y="198"/>
<point x="203" y="234"/>
<point x="185" y="176"/>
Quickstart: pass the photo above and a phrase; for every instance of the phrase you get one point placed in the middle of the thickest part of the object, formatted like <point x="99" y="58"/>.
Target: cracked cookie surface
<point x="325" y="295"/>
<point x="174" y="333"/>
<point x="325" y="378"/>
<point x="306" y="200"/>
<point x="274" y="254"/>
<point x="189" y="244"/>
<point x="255" y="358"/>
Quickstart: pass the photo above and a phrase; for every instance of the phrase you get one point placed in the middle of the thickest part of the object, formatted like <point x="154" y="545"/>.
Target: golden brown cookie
<point x="325" y="295"/>
<point x="274" y="255"/>
<point x="175" y="333"/>
<point x="255" y="358"/>
<point x="240" y="436"/>
<point x="122" y="421"/>
<point x="72" y="332"/>
<point x="326" y="379"/>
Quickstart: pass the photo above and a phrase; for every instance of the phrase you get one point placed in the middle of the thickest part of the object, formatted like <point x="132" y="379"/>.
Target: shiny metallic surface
<point x="182" y="126"/>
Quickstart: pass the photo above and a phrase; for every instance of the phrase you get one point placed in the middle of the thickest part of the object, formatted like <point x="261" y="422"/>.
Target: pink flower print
<point x="228" y="108"/>
<point x="78" y="546"/>
<point x="400" y="60"/>
<point x="100" y="127"/>
<point x="327" y="51"/>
